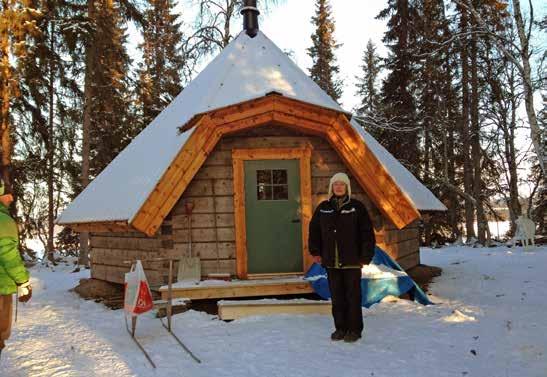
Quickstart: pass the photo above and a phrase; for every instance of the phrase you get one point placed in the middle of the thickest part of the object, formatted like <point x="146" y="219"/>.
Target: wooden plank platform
<point x="217" y="289"/>
<point x="228" y="310"/>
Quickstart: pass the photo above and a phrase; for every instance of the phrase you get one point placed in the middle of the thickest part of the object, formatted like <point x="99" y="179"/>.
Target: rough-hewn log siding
<point x="211" y="191"/>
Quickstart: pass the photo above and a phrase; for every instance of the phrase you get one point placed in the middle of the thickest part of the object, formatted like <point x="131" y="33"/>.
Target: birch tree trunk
<point x="526" y="72"/>
<point x="522" y="62"/>
<point x="511" y="157"/>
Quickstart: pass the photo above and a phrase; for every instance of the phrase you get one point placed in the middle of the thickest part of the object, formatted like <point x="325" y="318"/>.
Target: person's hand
<point x="25" y="292"/>
<point x="6" y="199"/>
<point x="317" y="259"/>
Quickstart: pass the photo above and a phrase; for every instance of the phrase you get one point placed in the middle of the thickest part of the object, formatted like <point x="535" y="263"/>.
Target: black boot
<point x="351" y="337"/>
<point x="338" y="335"/>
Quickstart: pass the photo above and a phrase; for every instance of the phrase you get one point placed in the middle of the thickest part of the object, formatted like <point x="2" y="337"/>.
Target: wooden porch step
<point x="228" y="310"/>
<point x="175" y="302"/>
<point x="178" y="305"/>
<point x="218" y="289"/>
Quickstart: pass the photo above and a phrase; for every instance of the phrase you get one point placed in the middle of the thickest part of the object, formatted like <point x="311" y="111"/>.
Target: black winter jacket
<point x="350" y="227"/>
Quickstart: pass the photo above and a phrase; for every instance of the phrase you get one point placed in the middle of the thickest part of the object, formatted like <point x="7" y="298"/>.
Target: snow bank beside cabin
<point x="489" y="321"/>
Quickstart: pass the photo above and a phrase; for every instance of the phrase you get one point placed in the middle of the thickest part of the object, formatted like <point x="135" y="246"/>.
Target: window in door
<point x="272" y="184"/>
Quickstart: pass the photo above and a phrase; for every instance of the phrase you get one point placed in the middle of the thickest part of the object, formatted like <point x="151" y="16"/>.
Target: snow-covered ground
<point x="490" y="320"/>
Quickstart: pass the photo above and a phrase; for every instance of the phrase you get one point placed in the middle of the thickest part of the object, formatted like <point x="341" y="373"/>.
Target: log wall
<point x="111" y="254"/>
<point x="213" y="231"/>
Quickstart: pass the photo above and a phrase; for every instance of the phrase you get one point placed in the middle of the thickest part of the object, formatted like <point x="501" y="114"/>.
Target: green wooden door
<point x="272" y="216"/>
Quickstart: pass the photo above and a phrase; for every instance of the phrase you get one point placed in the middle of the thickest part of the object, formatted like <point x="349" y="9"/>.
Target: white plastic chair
<point x="526" y="231"/>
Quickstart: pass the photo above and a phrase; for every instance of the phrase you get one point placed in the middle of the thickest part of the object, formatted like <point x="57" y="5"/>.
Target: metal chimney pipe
<point x="250" y="17"/>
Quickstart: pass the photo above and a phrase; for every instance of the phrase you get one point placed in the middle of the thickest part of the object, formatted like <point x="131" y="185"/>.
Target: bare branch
<point x="386" y="124"/>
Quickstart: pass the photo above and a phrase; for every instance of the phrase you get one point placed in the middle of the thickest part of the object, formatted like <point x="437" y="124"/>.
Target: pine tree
<point x="18" y="22"/>
<point x="436" y="105"/>
<point x="49" y="93"/>
<point x="324" y="69"/>
<point x="431" y="89"/>
<point x="105" y="31"/>
<point x="464" y="30"/>
<point x="473" y="44"/>
<point x="161" y="71"/>
<point x="112" y="120"/>
<point x="367" y="84"/>
<point x="397" y="89"/>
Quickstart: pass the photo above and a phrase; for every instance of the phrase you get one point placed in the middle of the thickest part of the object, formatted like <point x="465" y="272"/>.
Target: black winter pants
<point x="345" y="288"/>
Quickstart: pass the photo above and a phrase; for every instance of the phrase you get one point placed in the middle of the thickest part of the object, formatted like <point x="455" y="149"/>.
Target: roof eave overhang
<point x="110" y="226"/>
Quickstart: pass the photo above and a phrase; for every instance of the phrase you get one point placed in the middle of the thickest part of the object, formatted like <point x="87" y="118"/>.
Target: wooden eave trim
<point x="101" y="227"/>
<point x="271" y="153"/>
<point x="393" y="203"/>
<point x="218" y="115"/>
<point x="390" y="199"/>
<point x="278" y="106"/>
<point x="239" y="217"/>
<point x="306" y="204"/>
<point x="175" y="179"/>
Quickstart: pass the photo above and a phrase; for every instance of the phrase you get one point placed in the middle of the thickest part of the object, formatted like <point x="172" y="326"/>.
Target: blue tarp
<point x="373" y="290"/>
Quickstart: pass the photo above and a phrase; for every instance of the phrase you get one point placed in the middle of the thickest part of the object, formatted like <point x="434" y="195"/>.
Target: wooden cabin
<point x="252" y="142"/>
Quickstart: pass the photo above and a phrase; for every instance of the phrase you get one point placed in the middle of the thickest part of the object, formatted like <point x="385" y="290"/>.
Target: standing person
<point x="341" y="238"/>
<point x="13" y="274"/>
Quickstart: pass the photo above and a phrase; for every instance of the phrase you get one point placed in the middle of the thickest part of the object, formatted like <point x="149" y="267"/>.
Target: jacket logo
<point x="348" y="210"/>
<point x="326" y="210"/>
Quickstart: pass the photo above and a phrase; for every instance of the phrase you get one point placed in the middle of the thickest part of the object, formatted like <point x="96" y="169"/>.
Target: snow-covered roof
<point x="246" y="69"/>
<point x="417" y="192"/>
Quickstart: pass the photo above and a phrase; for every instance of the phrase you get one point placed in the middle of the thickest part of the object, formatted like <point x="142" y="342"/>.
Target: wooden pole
<point x="189" y="206"/>
<point x="170" y="295"/>
<point x="215" y="223"/>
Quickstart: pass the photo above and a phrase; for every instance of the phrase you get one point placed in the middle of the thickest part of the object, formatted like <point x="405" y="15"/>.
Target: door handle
<point x="295" y="221"/>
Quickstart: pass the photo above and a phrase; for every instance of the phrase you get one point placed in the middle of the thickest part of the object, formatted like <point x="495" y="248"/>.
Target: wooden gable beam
<point x="270" y="102"/>
<point x="302" y="110"/>
<point x="175" y="179"/>
<point x="388" y="197"/>
<point x="371" y="174"/>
